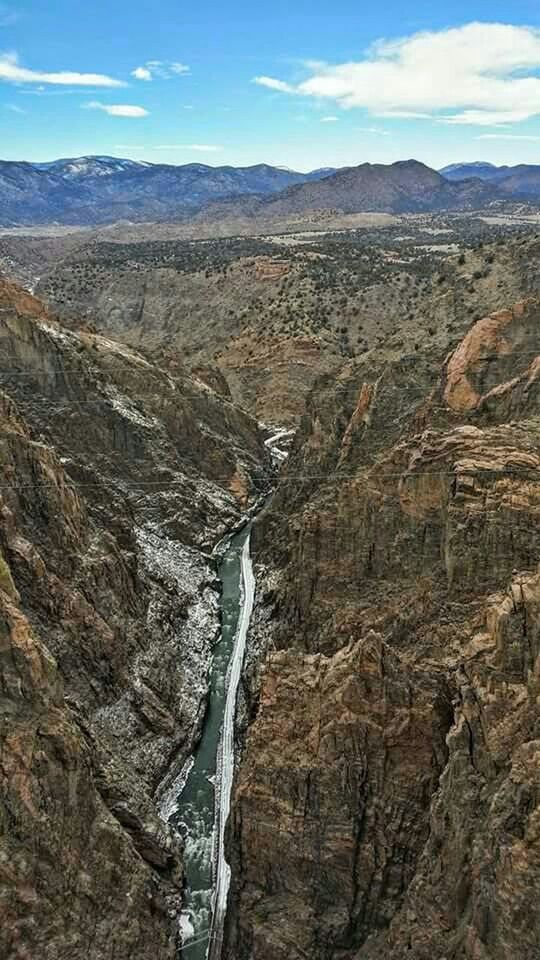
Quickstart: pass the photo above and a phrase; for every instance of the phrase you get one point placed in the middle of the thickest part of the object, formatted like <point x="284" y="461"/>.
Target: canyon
<point x="386" y="790"/>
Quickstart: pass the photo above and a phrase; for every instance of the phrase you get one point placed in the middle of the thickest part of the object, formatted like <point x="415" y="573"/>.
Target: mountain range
<point x="94" y="190"/>
<point x="101" y="190"/>
<point x="487" y="171"/>
<point x="519" y="182"/>
<point x="403" y="187"/>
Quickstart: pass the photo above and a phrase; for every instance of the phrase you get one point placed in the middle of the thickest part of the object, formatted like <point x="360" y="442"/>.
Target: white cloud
<point x="508" y="136"/>
<point x="375" y="130"/>
<point x="484" y="73"/>
<point x="404" y="115"/>
<point x="11" y="71"/>
<point x="141" y="73"/>
<point x="273" y="84"/>
<point x="198" y="147"/>
<point x="329" y="119"/>
<point x="162" y="69"/>
<point x="188" y="106"/>
<point x="14" y="108"/>
<point x="487" y="118"/>
<point x="117" y="109"/>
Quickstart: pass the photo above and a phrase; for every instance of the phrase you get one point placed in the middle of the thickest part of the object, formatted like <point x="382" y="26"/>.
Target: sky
<point x="296" y="83"/>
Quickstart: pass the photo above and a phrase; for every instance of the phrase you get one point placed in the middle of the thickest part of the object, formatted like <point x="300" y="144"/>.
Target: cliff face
<point x="115" y="479"/>
<point x="387" y="801"/>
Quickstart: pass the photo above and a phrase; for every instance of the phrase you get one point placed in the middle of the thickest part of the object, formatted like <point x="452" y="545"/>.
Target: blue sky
<point x="293" y="83"/>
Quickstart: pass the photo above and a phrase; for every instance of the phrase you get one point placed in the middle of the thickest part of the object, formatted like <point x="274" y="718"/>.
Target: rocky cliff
<point x="387" y="803"/>
<point x="116" y="480"/>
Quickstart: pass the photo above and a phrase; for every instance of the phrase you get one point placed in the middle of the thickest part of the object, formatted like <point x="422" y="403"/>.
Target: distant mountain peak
<point x="522" y="180"/>
<point x="91" y="165"/>
<point x="471" y="163"/>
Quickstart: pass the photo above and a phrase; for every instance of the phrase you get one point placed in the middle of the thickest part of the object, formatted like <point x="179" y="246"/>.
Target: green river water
<point x="196" y="805"/>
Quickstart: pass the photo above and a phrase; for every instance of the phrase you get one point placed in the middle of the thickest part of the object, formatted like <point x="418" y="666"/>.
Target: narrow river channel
<point x="202" y="812"/>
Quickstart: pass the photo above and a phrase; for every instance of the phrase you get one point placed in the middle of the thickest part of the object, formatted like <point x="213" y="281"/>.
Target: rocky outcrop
<point x="474" y="371"/>
<point x="268" y="268"/>
<point x="115" y="480"/>
<point x="387" y="800"/>
<point x="73" y="880"/>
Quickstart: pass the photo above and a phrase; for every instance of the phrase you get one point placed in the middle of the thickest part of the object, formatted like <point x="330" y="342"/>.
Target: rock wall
<point x="388" y="797"/>
<point x="115" y="481"/>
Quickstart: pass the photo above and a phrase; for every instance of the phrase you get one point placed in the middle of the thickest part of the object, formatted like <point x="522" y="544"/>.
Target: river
<point x="202" y="813"/>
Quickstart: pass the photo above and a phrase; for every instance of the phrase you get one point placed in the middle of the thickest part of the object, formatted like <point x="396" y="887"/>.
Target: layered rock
<point x="387" y="801"/>
<point x="116" y="479"/>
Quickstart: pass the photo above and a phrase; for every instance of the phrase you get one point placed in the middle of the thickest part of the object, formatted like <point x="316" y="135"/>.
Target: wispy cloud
<point x="508" y="136"/>
<point x="14" y="108"/>
<point x="404" y="115"/>
<point x="376" y="131"/>
<point x="197" y="147"/>
<point x="12" y="72"/>
<point x="487" y="118"/>
<point x="329" y="119"/>
<point x="479" y="74"/>
<point x="162" y="69"/>
<point x="117" y="109"/>
<point x="274" y="84"/>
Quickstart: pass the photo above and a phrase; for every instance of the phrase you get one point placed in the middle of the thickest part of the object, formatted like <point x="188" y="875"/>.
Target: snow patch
<point x="127" y="409"/>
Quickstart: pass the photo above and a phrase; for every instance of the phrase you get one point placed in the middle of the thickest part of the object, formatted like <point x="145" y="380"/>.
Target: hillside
<point x="403" y="187"/>
<point x="270" y="314"/>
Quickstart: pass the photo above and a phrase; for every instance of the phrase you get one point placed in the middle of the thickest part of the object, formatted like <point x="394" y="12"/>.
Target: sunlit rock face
<point x="115" y="480"/>
<point x="387" y="802"/>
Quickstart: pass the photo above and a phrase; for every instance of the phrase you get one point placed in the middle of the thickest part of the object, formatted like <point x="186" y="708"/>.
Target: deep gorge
<point x="386" y="789"/>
